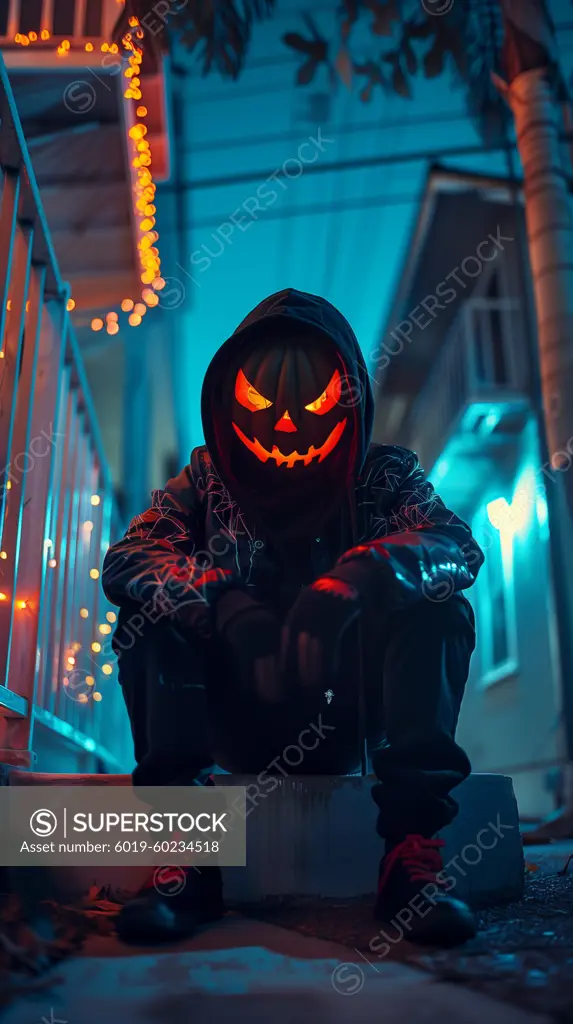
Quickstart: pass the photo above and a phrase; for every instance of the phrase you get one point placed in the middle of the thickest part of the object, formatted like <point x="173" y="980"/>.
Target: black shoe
<point x="413" y="896"/>
<point x="171" y="906"/>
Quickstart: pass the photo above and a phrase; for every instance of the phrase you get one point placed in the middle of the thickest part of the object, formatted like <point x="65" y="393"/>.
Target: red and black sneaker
<point x="172" y="904"/>
<point x="413" y="895"/>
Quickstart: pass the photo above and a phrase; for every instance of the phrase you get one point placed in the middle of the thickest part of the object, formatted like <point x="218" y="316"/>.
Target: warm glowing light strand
<point x="64" y="48"/>
<point x="93" y="648"/>
<point x="144" y="187"/>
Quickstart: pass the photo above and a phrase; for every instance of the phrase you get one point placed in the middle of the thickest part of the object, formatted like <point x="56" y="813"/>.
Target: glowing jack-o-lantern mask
<point x="280" y="424"/>
<point x="247" y="396"/>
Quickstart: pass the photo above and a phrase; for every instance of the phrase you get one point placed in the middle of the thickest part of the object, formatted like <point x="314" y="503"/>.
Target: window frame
<point x="491" y="673"/>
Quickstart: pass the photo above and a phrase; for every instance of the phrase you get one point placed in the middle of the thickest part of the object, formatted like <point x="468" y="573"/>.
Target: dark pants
<point x="188" y="712"/>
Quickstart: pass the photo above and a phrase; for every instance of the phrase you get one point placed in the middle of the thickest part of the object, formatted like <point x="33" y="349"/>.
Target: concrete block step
<point x="23" y="778"/>
<point x="315" y="837"/>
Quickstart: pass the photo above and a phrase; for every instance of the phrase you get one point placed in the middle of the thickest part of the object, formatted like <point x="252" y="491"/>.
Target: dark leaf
<point x="350" y="8"/>
<point x="473" y="39"/>
<point x="316" y="49"/>
<point x="373" y="72"/>
<point x="433" y="62"/>
<point x="409" y="57"/>
<point x="400" y="83"/>
<point x="421" y="30"/>
<point x="384" y="16"/>
<point x="219" y="30"/>
<point x="311" y="25"/>
<point x="460" y="59"/>
<point x="349" y="11"/>
<point x="298" y="42"/>
<point x="320" y="52"/>
<point x="306" y="72"/>
<point x="371" y="69"/>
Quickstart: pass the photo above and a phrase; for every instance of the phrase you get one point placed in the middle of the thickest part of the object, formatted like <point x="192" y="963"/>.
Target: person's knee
<point x="453" y="616"/>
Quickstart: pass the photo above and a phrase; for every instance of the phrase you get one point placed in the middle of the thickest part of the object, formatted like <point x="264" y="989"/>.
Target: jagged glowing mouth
<point x="264" y="455"/>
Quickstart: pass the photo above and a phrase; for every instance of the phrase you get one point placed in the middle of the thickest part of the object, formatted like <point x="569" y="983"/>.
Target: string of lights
<point x="143" y="186"/>
<point x="82" y="685"/>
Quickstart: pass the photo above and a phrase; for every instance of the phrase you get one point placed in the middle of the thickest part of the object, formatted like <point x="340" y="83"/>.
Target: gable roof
<point x="458" y="211"/>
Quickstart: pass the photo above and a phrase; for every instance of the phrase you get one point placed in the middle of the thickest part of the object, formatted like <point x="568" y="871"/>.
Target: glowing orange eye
<point x="248" y="396"/>
<point x="328" y="398"/>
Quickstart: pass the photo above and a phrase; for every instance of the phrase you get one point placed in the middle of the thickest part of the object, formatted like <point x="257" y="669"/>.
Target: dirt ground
<point x="523" y="953"/>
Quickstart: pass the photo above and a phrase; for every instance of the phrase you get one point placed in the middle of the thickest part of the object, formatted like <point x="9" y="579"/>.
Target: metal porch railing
<point x="76" y="35"/>
<point x="57" y="512"/>
<point x="482" y="367"/>
<point x="54" y="20"/>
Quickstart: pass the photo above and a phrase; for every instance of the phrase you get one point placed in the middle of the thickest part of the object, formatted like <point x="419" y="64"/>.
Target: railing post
<point x="13" y="18"/>
<point x="72" y="542"/>
<point x="79" y="18"/>
<point x="15" y="558"/>
<point x="40" y="485"/>
<point x="51" y="580"/>
<point x="109" y="15"/>
<point x="11" y="380"/>
<point x="12" y="348"/>
<point x="8" y="222"/>
<point x="47" y="20"/>
<point x="62" y="544"/>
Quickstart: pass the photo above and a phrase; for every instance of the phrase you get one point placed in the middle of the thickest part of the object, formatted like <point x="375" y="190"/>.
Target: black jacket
<point x="170" y="554"/>
<point x="194" y="525"/>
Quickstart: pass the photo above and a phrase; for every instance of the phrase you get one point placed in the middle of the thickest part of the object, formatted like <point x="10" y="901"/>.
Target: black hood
<point x="291" y="307"/>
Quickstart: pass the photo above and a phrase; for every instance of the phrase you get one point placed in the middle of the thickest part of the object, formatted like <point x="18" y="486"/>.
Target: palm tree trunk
<point x="550" y="234"/>
<point x="531" y="95"/>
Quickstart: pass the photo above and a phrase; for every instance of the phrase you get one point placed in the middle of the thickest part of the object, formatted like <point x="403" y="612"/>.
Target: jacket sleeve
<point x="157" y="564"/>
<point x="419" y="548"/>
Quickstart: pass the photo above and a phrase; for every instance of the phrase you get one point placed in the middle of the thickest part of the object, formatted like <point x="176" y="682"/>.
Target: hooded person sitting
<point x="307" y="575"/>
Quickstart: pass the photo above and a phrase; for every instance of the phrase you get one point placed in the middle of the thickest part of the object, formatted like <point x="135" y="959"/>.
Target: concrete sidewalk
<point x="246" y="971"/>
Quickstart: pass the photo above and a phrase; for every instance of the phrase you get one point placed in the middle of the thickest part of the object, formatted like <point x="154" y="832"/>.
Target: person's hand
<point x="313" y="630"/>
<point x="252" y="634"/>
<point x="193" y="601"/>
<point x="396" y="572"/>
